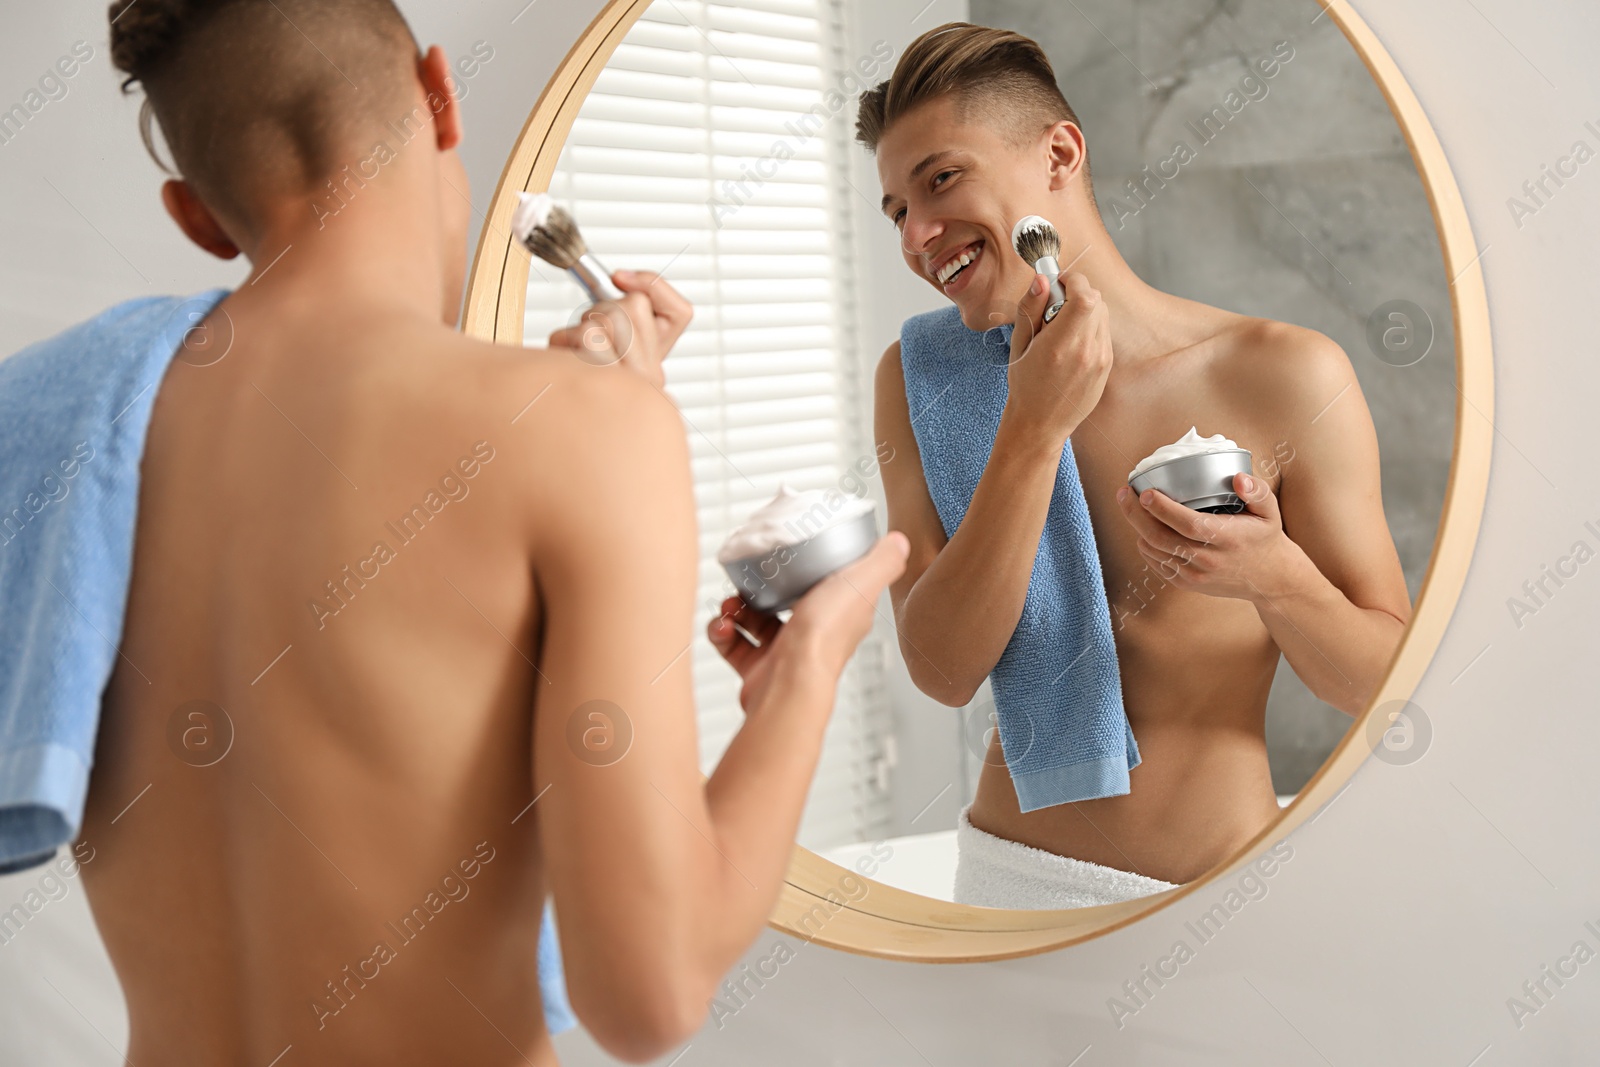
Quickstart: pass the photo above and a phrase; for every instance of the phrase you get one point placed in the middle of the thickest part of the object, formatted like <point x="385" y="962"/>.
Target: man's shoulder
<point x="1273" y="339"/>
<point x="530" y="388"/>
<point x="1282" y="363"/>
<point x="570" y="433"/>
<point x="889" y="362"/>
<point x="142" y="319"/>
<point x="939" y="317"/>
<point x="938" y="323"/>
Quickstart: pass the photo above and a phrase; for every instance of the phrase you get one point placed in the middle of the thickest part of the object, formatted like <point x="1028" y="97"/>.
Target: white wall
<point x="83" y="226"/>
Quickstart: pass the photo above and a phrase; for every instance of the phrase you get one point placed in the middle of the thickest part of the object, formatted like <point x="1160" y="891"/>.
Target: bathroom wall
<point x="84" y="226"/>
<point x="1304" y="206"/>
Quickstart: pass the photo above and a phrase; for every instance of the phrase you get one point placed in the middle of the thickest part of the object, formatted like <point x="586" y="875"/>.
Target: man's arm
<point x="1316" y="560"/>
<point x="1340" y="606"/>
<point x="958" y="602"/>
<point x="660" y="881"/>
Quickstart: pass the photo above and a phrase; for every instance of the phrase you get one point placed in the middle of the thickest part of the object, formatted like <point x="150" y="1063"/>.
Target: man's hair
<point x="1000" y="73"/>
<point x="257" y="96"/>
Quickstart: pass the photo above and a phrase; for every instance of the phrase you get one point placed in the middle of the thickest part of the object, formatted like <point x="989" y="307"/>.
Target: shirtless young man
<point x="403" y="771"/>
<point x="973" y="136"/>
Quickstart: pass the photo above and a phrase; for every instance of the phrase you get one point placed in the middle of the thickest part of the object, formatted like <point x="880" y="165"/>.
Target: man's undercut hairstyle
<point x="265" y="96"/>
<point x="997" y="74"/>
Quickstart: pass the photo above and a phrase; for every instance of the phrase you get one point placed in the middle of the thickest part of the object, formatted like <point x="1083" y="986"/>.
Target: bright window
<point x="707" y="151"/>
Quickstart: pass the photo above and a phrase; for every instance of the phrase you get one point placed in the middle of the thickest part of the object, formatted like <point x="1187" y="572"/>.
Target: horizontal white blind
<point x="704" y="152"/>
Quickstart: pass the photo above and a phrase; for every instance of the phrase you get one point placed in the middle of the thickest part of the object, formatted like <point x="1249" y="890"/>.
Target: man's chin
<point x="979" y="315"/>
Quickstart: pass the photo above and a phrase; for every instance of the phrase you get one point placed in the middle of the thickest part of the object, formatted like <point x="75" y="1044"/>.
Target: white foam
<point x="1190" y="444"/>
<point x="789" y="518"/>
<point x="533" y="210"/>
<point x="1026" y="223"/>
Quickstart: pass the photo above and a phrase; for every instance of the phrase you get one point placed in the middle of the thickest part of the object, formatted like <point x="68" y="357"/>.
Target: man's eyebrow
<point x="916" y="171"/>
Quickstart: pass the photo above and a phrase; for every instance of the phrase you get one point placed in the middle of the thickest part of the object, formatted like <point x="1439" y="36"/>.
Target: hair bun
<point x="144" y="31"/>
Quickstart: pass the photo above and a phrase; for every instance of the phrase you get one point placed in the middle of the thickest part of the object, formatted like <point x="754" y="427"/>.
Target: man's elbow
<point x="943" y="682"/>
<point x="642" y="1025"/>
<point x="1354" y="699"/>
<point x="940" y="686"/>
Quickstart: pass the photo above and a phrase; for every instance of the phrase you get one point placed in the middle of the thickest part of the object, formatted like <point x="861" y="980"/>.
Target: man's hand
<point x="1059" y="369"/>
<point x="827" y="625"/>
<point x="1245" y="556"/>
<point x="637" y="331"/>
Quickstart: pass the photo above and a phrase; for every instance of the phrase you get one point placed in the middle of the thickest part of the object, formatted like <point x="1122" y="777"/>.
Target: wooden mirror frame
<point x="895" y="924"/>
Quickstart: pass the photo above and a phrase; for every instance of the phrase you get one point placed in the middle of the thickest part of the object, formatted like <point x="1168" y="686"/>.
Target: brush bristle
<point x="557" y="240"/>
<point x="1035" y="239"/>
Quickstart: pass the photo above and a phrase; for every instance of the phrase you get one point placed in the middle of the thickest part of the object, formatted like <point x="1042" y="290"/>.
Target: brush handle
<point x="1048" y="266"/>
<point x="595" y="279"/>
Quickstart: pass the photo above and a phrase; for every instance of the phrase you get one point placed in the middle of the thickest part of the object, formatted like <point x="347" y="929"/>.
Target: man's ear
<point x="434" y="70"/>
<point x="1065" y="146"/>
<point x="196" y="220"/>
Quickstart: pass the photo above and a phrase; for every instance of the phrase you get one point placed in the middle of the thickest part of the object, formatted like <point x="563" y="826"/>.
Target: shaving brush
<point x="549" y="231"/>
<point x="1037" y="242"/>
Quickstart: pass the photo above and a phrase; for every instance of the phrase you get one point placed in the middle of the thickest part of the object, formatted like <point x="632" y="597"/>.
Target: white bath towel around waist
<point x="995" y="873"/>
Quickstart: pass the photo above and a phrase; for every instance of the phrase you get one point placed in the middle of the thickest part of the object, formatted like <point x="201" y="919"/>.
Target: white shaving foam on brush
<point x="550" y="233"/>
<point x="1036" y="233"/>
<point x="533" y="209"/>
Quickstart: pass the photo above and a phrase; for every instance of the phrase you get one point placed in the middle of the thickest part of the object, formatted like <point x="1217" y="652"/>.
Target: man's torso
<point x="1196" y="670"/>
<point x="314" y="751"/>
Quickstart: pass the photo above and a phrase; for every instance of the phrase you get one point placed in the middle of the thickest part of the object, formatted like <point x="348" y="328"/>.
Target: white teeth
<point x="950" y="269"/>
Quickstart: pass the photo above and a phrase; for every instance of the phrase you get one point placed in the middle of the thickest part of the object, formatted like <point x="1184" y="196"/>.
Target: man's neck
<point x="1142" y="316"/>
<point x="382" y="250"/>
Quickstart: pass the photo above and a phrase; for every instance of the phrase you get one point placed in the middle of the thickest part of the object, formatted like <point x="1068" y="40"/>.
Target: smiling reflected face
<point x="953" y="186"/>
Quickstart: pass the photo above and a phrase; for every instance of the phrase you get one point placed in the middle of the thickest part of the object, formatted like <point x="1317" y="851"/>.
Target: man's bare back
<point x="349" y="875"/>
<point x="1196" y="670"/>
<point x="401" y="563"/>
<point x="381" y="572"/>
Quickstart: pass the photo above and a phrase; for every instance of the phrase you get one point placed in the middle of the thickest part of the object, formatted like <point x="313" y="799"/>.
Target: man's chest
<point x="1138" y="414"/>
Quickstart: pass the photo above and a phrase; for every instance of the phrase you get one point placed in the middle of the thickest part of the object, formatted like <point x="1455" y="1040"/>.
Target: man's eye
<point x="939" y="178"/>
<point x="899" y="217"/>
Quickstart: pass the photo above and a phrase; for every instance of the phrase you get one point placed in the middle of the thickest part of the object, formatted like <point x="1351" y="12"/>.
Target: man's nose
<point x="918" y="233"/>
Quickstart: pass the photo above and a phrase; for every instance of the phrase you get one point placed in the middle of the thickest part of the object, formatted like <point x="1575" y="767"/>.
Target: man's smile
<point x="952" y="272"/>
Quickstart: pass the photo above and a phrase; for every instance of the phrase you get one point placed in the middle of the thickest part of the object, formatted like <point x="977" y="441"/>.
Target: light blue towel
<point x="558" y="1015"/>
<point x="74" y="412"/>
<point x="1057" y="687"/>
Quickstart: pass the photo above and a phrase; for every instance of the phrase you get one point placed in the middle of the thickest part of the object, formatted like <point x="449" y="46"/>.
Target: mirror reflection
<point x="1075" y="694"/>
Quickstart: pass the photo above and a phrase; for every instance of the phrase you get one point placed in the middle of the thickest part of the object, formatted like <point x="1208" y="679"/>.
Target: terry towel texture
<point x="74" y="412"/>
<point x="992" y="872"/>
<point x="1057" y="688"/>
<point x="74" y="409"/>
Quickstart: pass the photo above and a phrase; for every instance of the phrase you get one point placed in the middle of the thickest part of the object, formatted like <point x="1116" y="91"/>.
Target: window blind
<point x="705" y="152"/>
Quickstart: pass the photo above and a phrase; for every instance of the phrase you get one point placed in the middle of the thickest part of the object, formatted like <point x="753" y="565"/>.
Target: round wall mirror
<point x="1267" y="182"/>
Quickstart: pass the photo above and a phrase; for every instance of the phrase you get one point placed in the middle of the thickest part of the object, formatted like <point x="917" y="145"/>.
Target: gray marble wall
<point x="1300" y="203"/>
